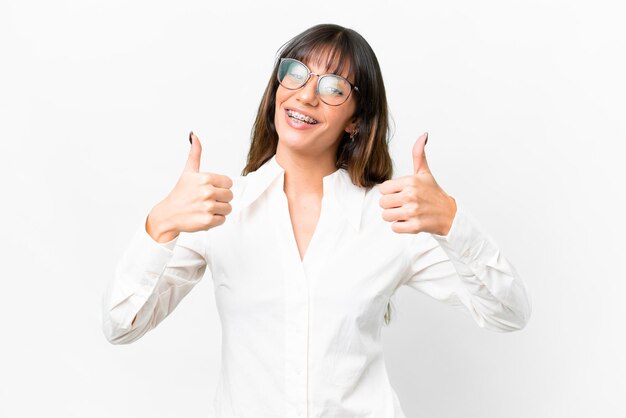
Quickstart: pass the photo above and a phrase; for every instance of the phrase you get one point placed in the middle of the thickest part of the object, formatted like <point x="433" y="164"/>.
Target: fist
<point x="416" y="203"/>
<point x="199" y="201"/>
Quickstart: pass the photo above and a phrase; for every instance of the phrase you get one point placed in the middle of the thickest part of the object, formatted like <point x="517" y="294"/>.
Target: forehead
<point x="327" y="60"/>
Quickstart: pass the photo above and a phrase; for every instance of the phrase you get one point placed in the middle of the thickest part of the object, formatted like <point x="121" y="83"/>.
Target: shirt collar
<point x="348" y="195"/>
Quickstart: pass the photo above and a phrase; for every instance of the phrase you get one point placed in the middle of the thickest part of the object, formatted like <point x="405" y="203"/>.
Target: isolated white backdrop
<point x="524" y="105"/>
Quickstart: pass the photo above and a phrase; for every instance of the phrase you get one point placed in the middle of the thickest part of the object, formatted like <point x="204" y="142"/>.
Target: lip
<point x="295" y="109"/>
<point x="294" y="124"/>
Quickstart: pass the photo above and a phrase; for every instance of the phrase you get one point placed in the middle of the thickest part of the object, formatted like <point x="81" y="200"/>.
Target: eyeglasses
<point x="331" y="88"/>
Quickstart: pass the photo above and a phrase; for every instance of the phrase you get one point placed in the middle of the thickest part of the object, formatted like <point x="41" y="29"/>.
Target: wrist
<point x="449" y="219"/>
<point x="159" y="228"/>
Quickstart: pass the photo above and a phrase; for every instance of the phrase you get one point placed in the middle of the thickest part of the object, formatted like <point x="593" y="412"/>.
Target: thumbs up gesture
<point x="199" y="201"/>
<point x="416" y="203"/>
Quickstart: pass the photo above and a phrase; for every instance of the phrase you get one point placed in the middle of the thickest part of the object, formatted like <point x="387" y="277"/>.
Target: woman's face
<point x="332" y="121"/>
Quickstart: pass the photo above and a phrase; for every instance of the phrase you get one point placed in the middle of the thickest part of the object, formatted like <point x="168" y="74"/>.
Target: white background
<point x="524" y="105"/>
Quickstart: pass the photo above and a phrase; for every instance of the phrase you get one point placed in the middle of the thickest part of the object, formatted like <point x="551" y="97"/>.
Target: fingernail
<point x="190" y="133"/>
<point x="425" y="142"/>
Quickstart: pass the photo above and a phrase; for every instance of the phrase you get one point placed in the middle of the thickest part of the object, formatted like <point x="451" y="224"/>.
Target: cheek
<point x="277" y="109"/>
<point x="282" y="94"/>
<point x="339" y="120"/>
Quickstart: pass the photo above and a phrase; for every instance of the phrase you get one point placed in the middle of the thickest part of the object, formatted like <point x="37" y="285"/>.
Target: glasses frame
<point x="319" y="77"/>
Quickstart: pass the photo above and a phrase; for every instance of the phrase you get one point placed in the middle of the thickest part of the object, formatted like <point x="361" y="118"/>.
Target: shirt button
<point x="466" y="253"/>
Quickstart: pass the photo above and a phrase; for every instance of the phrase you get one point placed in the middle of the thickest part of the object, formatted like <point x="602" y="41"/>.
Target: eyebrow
<point x="325" y="71"/>
<point x="332" y="55"/>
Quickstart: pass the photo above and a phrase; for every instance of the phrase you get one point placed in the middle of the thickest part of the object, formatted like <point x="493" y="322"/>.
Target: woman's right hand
<point x="199" y="201"/>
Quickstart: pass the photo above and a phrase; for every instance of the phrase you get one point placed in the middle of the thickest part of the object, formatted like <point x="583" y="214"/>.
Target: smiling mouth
<point x="301" y="118"/>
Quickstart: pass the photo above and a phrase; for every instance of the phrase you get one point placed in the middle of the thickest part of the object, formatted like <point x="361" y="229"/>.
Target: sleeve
<point x="466" y="269"/>
<point x="150" y="280"/>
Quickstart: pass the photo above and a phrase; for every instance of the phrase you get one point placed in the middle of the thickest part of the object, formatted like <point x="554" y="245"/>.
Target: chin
<point x="291" y="137"/>
<point x="293" y="140"/>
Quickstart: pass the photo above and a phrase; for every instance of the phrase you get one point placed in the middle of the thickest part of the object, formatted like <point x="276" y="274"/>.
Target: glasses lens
<point x="292" y="74"/>
<point x="333" y="90"/>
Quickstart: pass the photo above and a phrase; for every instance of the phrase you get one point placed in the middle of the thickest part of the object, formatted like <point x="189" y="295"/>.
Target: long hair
<point x="366" y="158"/>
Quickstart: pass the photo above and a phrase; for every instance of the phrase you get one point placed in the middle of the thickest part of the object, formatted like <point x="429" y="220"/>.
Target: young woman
<point x="307" y="247"/>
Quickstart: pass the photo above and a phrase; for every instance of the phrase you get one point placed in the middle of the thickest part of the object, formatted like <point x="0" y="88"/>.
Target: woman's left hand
<point x="416" y="203"/>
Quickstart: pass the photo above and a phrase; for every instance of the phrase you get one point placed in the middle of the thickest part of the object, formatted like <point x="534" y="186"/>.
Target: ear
<point x="352" y="125"/>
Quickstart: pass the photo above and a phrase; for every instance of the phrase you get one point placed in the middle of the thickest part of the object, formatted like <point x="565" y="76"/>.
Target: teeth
<point x="301" y="117"/>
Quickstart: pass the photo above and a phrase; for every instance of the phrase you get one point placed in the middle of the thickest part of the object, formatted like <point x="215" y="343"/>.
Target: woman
<point x="306" y="265"/>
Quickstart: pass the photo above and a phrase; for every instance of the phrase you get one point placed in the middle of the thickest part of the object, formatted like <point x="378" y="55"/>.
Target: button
<point x="466" y="253"/>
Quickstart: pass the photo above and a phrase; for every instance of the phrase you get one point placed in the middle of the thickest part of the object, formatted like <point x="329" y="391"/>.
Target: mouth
<point x="300" y="117"/>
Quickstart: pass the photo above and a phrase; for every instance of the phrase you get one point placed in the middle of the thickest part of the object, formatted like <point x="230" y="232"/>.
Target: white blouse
<point x="303" y="338"/>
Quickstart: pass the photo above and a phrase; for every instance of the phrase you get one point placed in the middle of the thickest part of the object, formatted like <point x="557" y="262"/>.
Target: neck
<point x="304" y="174"/>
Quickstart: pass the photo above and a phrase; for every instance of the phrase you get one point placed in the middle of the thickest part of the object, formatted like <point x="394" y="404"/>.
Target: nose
<point x="308" y="92"/>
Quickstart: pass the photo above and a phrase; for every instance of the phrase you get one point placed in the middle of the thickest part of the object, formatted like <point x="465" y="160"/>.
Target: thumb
<point x="193" y="161"/>
<point x="420" y="165"/>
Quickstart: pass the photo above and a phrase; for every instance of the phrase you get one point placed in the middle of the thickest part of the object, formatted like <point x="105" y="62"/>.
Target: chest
<point x="304" y="215"/>
<point x="258" y="261"/>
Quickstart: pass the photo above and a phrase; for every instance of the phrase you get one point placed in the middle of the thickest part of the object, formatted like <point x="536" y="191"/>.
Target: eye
<point x="297" y="76"/>
<point x="333" y="91"/>
<point x="296" y="68"/>
<point x="333" y="86"/>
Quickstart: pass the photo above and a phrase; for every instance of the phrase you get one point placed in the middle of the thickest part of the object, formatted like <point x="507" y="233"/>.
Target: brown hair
<point x="367" y="158"/>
